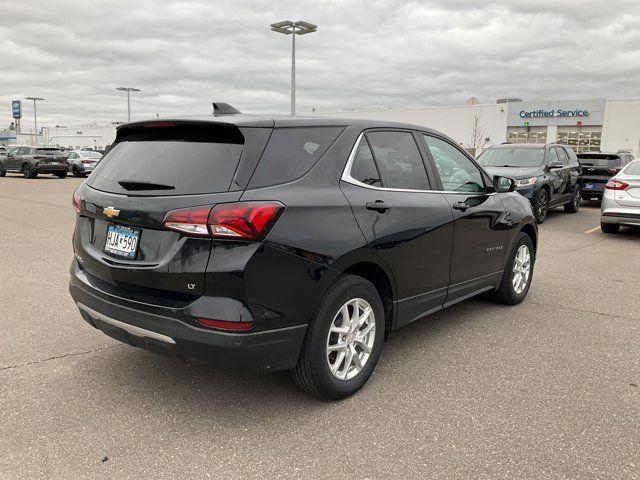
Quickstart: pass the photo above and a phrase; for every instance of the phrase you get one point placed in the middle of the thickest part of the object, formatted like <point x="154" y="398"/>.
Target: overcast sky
<point x="365" y="54"/>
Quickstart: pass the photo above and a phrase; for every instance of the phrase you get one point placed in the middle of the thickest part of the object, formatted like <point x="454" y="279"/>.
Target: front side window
<point x="553" y="156"/>
<point x="457" y="172"/>
<point x="562" y="155"/>
<point x="398" y="160"/>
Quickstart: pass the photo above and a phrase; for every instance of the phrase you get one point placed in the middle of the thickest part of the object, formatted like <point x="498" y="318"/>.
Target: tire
<point x="541" y="206"/>
<point x="3" y="172"/>
<point x="609" y="227"/>
<point x="313" y="372"/>
<point x="507" y="293"/>
<point x="574" y="205"/>
<point x="27" y="172"/>
<point x="75" y="172"/>
<point x="61" y="174"/>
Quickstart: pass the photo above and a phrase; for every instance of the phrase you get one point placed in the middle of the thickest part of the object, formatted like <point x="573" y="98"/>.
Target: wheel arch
<point x="530" y="231"/>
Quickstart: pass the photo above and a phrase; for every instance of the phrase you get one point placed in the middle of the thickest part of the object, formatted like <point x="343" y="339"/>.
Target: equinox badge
<point x="111" y="212"/>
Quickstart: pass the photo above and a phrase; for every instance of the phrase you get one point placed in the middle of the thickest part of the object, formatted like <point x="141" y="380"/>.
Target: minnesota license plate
<point x="122" y="241"/>
<point x="589" y="186"/>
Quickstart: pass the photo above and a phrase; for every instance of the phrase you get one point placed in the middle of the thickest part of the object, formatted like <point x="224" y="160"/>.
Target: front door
<point x="405" y="222"/>
<point x="480" y="221"/>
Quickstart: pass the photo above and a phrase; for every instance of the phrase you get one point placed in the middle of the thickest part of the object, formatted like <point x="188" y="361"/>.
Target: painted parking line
<point x="594" y="229"/>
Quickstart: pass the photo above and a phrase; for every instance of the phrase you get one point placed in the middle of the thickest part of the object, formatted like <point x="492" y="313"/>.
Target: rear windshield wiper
<point x="143" y="185"/>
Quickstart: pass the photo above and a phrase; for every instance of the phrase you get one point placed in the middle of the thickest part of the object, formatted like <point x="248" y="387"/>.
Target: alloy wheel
<point x="521" y="269"/>
<point x="542" y="206"/>
<point x="350" y="339"/>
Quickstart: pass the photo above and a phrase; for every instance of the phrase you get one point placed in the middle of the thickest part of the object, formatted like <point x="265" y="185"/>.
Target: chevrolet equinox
<point x="261" y="243"/>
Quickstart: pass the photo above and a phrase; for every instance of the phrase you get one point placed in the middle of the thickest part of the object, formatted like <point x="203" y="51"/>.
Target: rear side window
<point x="291" y="153"/>
<point x="177" y="160"/>
<point x="398" y="160"/>
<point x="364" y="168"/>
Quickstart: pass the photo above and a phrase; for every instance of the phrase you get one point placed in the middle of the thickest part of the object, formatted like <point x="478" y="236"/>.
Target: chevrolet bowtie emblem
<point x="111" y="212"/>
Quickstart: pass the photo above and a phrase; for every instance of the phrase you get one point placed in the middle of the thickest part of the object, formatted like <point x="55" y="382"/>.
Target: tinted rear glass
<point x="292" y="152"/>
<point x="89" y="154"/>
<point x="512" y="157"/>
<point x="193" y="160"/>
<point x="601" y="160"/>
<point x="49" y="151"/>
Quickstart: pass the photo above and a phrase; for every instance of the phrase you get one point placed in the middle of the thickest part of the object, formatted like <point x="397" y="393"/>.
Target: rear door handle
<point x="462" y="206"/>
<point x="379" y="206"/>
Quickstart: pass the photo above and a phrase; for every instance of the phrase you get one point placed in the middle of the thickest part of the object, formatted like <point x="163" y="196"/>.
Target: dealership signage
<point x="578" y="112"/>
<point x="16" y="109"/>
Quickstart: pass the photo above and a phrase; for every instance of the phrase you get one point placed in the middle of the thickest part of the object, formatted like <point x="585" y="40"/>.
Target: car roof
<point x="276" y="121"/>
<point x="521" y="145"/>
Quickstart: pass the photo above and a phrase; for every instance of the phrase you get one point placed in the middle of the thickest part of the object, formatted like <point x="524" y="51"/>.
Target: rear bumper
<point x="621" y="216"/>
<point x="51" y="168"/>
<point x="161" y="333"/>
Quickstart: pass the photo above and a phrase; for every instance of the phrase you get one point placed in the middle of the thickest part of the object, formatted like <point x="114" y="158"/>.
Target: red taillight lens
<point x="225" y="325"/>
<point x="37" y="157"/>
<point x="192" y="221"/>
<point x="75" y="201"/>
<point x="243" y="220"/>
<point x="613" y="171"/>
<point x="87" y="161"/>
<point x="616" y="185"/>
<point x="250" y="220"/>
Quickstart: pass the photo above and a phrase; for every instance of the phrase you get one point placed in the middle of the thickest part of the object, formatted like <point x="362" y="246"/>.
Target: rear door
<point x="405" y="221"/>
<point x="480" y="234"/>
<point x="151" y="170"/>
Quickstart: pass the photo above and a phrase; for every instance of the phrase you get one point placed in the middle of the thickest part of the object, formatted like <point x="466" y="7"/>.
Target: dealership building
<point x="585" y="125"/>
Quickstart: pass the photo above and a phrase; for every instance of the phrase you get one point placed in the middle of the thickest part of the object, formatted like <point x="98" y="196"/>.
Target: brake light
<point x="225" y="325"/>
<point x="76" y="202"/>
<point x="37" y="157"/>
<point x="242" y="220"/>
<point x="87" y="161"/>
<point x="613" y="171"/>
<point x="616" y="185"/>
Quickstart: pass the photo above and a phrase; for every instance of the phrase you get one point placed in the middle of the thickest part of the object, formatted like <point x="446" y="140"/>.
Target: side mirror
<point x="503" y="184"/>
<point x="556" y="165"/>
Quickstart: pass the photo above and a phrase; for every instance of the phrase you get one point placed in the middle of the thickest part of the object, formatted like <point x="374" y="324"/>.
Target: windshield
<point x="633" y="168"/>
<point x="512" y="157"/>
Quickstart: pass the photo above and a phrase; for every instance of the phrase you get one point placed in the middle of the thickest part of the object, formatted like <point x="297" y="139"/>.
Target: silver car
<point x="82" y="162"/>
<point x="621" y="199"/>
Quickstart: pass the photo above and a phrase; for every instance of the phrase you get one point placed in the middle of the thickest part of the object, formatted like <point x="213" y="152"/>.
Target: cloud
<point x="365" y="54"/>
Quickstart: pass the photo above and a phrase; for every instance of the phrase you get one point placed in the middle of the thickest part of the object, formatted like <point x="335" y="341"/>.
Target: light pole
<point x="128" y="90"/>
<point x="35" y="114"/>
<point x="288" y="27"/>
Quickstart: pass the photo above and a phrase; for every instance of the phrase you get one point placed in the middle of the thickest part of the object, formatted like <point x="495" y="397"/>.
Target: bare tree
<point x="478" y="134"/>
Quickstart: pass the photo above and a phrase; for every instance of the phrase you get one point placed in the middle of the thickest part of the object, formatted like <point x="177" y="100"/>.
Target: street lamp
<point x="288" y="27"/>
<point x="128" y="90"/>
<point x="35" y="114"/>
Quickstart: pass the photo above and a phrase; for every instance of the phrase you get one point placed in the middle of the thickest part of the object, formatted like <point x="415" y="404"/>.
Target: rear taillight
<point x="616" y="185"/>
<point x="225" y="325"/>
<point x="37" y="157"/>
<point x="75" y="201"/>
<point x="613" y="171"/>
<point x="242" y="220"/>
<point x="87" y="161"/>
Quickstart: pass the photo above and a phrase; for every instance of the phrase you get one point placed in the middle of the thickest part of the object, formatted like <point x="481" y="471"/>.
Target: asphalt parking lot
<point x="547" y="389"/>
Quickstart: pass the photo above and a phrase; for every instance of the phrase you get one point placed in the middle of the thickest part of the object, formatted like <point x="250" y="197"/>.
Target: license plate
<point x="122" y="241"/>
<point x="589" y="186"/>
<point x="55" y="163"/>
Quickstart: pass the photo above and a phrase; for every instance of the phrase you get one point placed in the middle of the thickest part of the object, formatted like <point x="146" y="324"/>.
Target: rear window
<point x="292" y="152"/>
<point x="49" y="151"/>
<point x="90" y="154"/>
<point x="180" y="160"/>
<point x="633" y="168"/>
<point x="601" y="160"/>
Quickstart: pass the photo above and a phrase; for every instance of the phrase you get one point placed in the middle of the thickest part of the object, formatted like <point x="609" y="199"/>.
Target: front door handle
<point x="462" y="206"/>
<point x="379" y="206"/>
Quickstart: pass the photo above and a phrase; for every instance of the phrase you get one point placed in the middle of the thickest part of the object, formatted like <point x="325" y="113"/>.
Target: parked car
<point x="598" y="168"/>
<point x="291" y="243"/>
<point x="548" y="175"/>
<point x="82" y="162"/>
<point x="621" y="199"/>
<point x="31" y="161"/>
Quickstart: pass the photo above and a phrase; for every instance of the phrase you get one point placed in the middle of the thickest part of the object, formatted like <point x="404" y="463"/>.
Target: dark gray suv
<point x="549" y="175"/>
<point x="31" y="161"/>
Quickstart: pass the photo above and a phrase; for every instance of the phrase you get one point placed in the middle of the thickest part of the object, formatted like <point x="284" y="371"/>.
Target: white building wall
<point x="91" y="137"/>
<point x="455" y="121"/>
<point x="621" y="129"/>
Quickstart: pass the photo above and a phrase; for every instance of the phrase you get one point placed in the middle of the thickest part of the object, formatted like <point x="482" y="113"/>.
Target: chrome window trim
<point x="346" y="177"/>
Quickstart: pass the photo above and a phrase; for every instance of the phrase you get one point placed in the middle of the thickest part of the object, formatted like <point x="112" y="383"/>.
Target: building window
<point x="527" y="135"/>
<point x="581" y="139"/>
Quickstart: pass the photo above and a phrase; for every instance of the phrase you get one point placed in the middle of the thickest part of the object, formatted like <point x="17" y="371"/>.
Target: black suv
<point x="548" y="175"/>
<point x="598" y="168"/>
<point x="290" y="243"/>
<point x="30" y="161"/>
